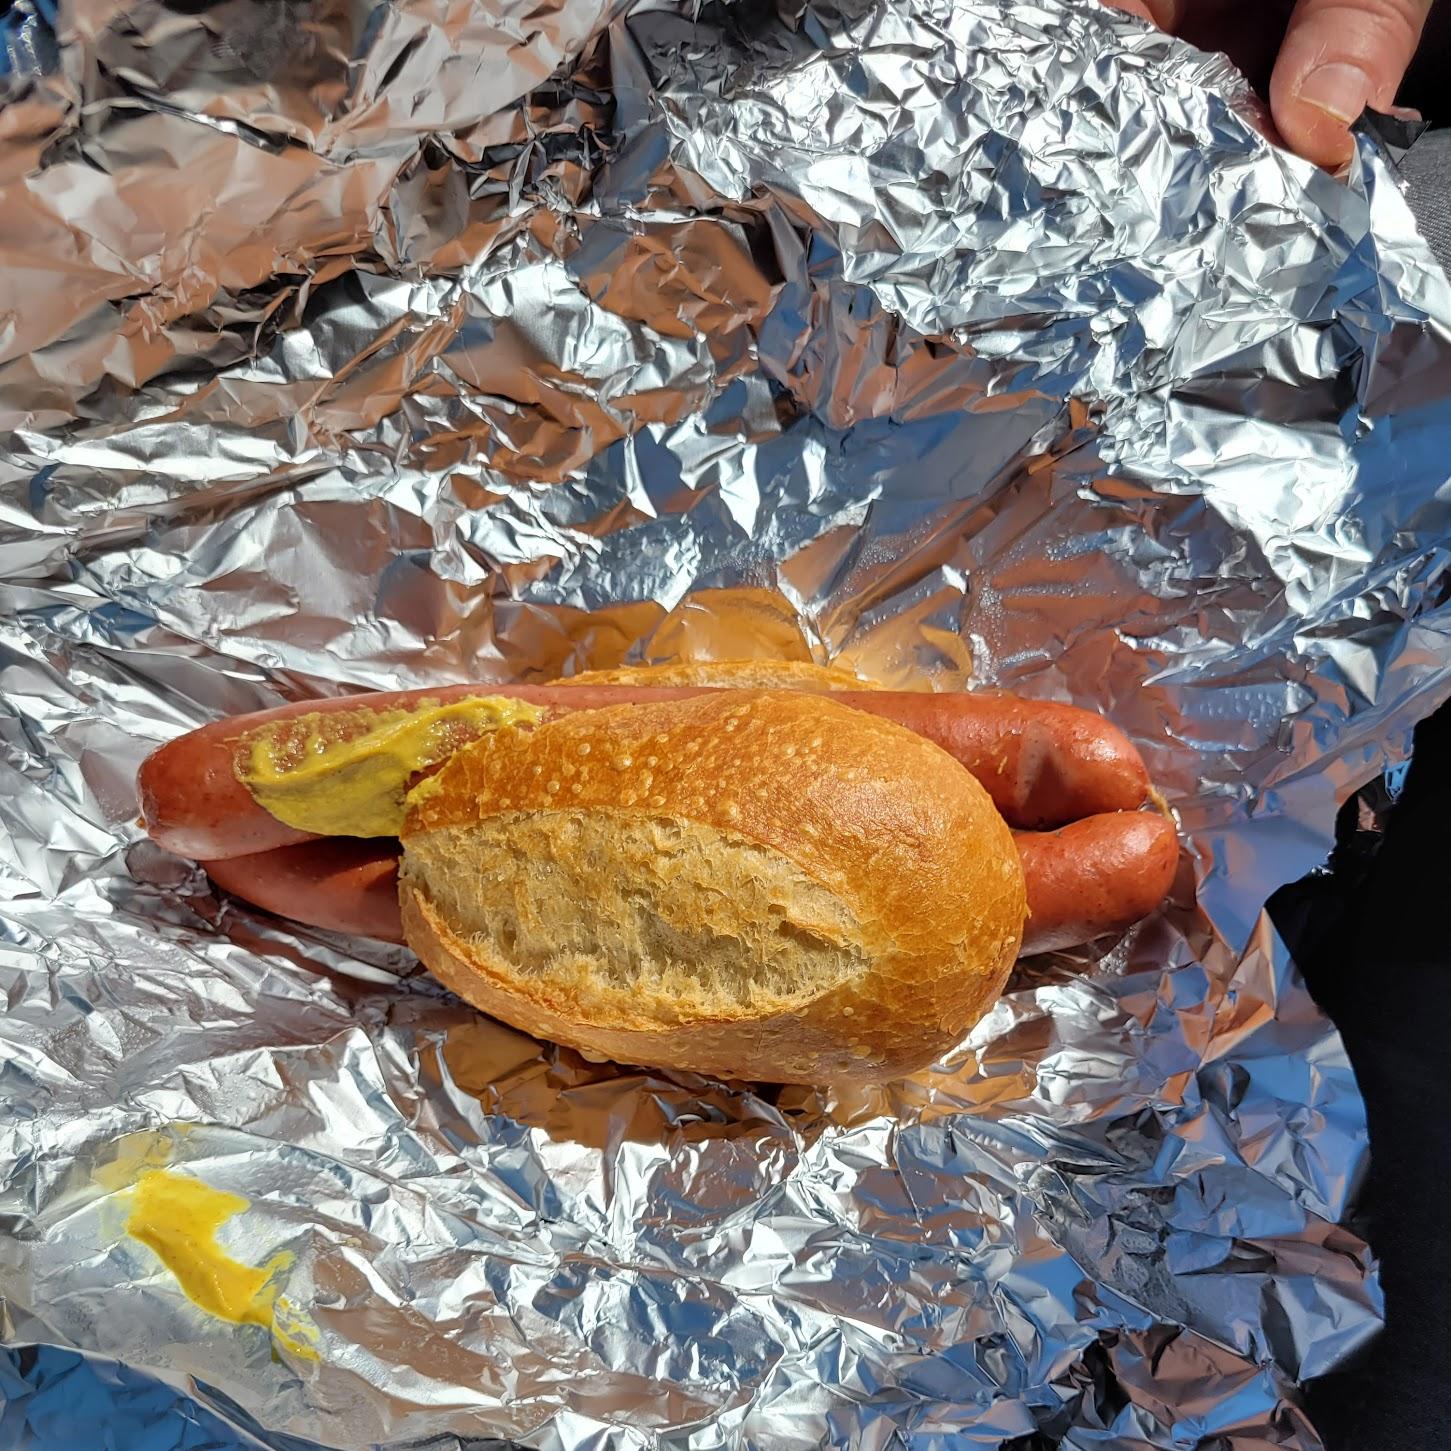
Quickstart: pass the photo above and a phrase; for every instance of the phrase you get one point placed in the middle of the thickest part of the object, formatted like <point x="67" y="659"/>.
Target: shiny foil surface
<point x="349" y="344"/>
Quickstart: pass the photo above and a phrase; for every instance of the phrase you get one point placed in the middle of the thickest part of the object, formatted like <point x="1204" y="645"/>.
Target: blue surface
<point x="27" y="34"/>
<point x="53" y="1399"/>
<point x="56" y="1400"/>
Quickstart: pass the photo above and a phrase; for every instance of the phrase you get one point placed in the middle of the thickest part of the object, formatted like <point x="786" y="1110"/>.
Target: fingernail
<point x="1339" y="89"/>
<point x="1404" y="113"/>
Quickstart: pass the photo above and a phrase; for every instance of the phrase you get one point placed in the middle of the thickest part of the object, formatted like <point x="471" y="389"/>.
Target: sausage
<point x="339" y="883"/>
<point x="1044" y="764"/>
<point x="1095" y="877"/>
<point x="1088" y="880"/>
<point x="193" y="804"/>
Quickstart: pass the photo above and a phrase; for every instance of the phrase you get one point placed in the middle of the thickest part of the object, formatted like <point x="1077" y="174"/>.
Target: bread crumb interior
<point x="609" y="901"/>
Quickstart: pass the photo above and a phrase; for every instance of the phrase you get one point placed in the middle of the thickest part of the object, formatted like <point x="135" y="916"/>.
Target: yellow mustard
<point x="346" y="772"/>
<point x="178" y="1217"/>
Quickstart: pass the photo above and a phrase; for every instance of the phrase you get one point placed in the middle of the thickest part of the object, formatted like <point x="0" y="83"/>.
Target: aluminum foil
<point x="362" y="344"/>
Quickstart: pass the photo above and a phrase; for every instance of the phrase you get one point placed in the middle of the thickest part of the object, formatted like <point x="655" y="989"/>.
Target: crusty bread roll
<point x="731" y="675"/>
<point x="764" y="886"/>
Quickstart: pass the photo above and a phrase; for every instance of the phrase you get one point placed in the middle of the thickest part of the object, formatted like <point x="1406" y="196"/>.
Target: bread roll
<point x="765" y="886"/>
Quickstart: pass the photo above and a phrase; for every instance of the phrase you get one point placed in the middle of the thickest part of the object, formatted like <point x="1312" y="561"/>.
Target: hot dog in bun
<point x="806" y="884"/>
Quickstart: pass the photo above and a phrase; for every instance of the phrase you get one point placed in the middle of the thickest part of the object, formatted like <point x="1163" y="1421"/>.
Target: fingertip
<point x="1310" y="131"/>
<point x="1338" y="58"/>
<point x="1316" y="101"/>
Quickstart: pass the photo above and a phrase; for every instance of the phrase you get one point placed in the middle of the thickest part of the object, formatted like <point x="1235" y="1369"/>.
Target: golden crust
<point x="799" y="675"/>
<point x="908" y="844"/>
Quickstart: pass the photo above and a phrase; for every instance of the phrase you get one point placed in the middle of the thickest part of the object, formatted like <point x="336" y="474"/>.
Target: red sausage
<point x="1090" y="879"/>
<point x="1095" y="877"/>
<point x="194" y="805"/>
<point x="340" y="883"/>
<point x="1043" y="763"/>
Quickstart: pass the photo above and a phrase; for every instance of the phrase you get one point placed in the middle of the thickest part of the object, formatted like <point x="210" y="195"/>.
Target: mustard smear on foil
<point x="347" y="772"/>
<point x="177" y="1218"/>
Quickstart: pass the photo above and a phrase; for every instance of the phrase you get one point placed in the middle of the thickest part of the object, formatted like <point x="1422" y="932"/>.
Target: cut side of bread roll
<point x="764" y="886"/>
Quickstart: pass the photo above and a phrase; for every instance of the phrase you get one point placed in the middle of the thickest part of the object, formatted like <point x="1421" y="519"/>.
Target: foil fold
<point x="394" y="344"/>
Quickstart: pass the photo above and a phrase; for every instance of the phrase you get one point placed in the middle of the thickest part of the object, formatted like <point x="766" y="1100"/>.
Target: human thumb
<point x="1338" y="57"/>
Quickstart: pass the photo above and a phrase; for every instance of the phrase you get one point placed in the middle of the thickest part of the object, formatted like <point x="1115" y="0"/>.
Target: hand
<point x="1325" y="60"/>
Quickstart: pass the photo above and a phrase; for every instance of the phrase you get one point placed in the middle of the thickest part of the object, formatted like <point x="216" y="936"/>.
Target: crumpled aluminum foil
<point x="363" y="344"/>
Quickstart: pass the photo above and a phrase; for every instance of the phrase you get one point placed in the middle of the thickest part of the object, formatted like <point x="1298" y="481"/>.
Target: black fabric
<point x="1373" y="945"/>
<point x="1425" y="86"/>
<point x="1427" y="169"/>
